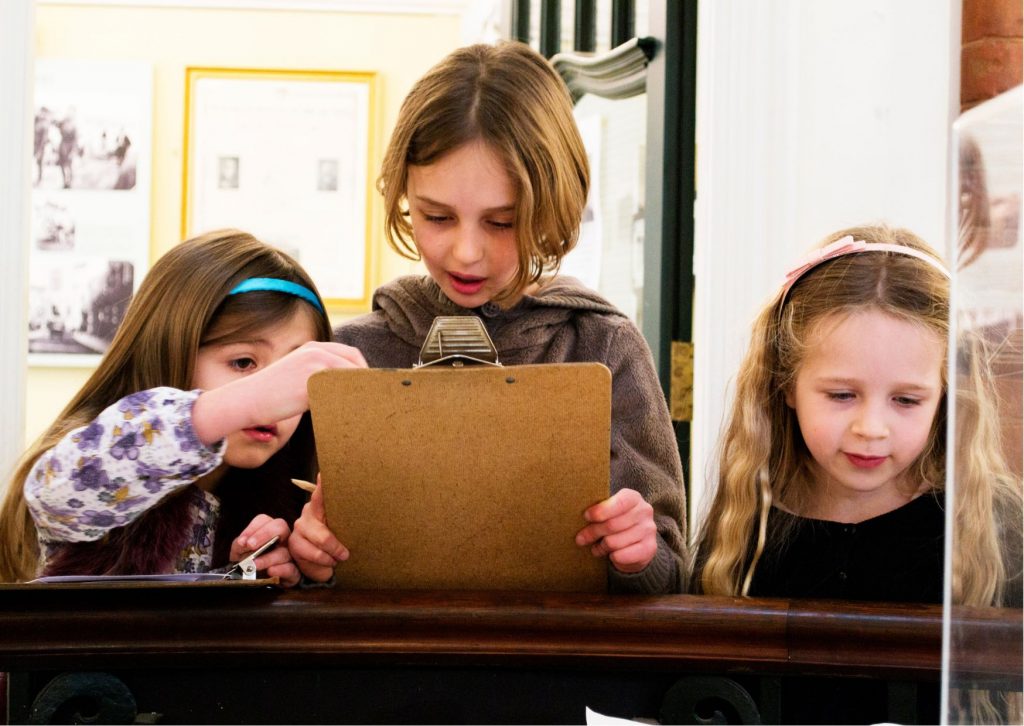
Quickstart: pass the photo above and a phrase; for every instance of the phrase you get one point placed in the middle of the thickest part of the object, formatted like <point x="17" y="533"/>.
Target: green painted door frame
<point x="670" y="190"/>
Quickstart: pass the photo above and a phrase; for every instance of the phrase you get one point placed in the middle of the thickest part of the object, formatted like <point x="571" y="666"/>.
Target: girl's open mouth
<point x="466" y="284"/>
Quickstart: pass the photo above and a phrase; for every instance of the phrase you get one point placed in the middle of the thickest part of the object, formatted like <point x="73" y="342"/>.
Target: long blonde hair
<point x="182" y="299"/>
<point x="763" y="459"/>
<point x="509" y="97"/>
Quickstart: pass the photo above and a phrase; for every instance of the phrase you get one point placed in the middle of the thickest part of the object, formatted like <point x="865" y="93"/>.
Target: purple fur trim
<point x="150" y="545"/>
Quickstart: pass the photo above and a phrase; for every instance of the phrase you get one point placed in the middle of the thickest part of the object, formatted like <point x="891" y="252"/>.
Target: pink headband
<point x="847" y="246"/>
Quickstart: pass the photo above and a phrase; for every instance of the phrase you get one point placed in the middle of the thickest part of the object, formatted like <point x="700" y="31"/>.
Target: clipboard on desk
<point x="471" y="477"/>
<point x="241" y="573"/>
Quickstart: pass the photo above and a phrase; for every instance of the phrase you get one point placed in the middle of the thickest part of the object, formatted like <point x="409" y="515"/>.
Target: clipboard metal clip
<point x="245" y="568"/>
<point x="457" y="340"/>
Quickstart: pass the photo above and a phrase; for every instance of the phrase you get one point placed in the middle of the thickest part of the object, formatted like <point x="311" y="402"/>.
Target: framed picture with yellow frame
<point x="285" y="155"/>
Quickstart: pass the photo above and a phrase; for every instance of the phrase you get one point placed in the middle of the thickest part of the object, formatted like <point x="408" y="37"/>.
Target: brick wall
<point x="991" y="49"/>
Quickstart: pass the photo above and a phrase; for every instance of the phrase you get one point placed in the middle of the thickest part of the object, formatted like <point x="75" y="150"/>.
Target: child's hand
<point x="273" y="394"/>
<point x="277" y="562"/>
<point x="621" y="528"/>
<point x="315" y="548"/>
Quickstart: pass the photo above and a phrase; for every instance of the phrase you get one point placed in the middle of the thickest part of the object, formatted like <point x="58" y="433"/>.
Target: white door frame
<point x="16" y="63"/>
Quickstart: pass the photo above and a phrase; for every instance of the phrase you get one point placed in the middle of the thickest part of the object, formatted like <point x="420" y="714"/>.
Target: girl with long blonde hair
<point x="832" y="464"/>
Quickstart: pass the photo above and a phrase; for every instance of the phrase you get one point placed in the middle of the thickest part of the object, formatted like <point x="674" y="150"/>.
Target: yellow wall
<point x="399" y="48"/>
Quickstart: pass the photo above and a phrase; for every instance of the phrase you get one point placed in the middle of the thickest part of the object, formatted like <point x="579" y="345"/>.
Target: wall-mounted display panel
<point x="90" y="204"/>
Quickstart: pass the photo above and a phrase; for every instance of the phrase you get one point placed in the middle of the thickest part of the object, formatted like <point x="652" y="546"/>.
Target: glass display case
<point x="984" y="428"/>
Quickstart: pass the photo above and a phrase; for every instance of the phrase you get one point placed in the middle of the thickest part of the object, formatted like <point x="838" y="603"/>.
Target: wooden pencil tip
<point x="304" y="485"/>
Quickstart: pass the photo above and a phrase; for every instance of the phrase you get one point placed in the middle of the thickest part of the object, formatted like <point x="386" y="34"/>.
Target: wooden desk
<point x="322" y="655"/>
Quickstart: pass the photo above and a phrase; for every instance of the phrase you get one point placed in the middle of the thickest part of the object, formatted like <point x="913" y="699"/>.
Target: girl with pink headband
<point x="833" y="461"/>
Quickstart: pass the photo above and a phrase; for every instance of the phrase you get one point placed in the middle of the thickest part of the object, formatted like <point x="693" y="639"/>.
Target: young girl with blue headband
<point x="176" y="454"/>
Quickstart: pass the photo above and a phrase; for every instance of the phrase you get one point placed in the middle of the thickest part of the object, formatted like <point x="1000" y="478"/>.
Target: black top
<point x="894" y="557"/>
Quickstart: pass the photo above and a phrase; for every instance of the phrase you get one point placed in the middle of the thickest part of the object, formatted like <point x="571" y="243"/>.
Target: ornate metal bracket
<point x="619" y="73"/>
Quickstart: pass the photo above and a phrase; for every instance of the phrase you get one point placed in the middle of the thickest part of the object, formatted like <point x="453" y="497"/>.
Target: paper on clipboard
<point x="139" y="582"/>
<point x="464" y="478"/>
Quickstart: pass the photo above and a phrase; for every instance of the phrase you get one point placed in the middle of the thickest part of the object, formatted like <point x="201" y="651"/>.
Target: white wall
<point x="811" y="116"/>
<point x="16" y="18"/>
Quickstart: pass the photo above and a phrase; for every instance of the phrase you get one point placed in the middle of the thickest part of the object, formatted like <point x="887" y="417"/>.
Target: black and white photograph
<point x="76" y="304"/>
<point x="327" y="175"/>
<point x="227" y="172"/>
<point x="53" y="226"/>
<point x="82" y="148"/>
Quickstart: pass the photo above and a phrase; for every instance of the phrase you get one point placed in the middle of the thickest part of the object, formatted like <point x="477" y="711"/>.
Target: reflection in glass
<point x="609" y="256"/>
<point x="985" y="458"/>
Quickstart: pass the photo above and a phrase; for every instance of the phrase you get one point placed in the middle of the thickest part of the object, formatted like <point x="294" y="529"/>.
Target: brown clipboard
<point x="464" y="478"/>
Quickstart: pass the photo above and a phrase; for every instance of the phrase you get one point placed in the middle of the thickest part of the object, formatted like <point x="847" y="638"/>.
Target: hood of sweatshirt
<point x="411" y="303"/>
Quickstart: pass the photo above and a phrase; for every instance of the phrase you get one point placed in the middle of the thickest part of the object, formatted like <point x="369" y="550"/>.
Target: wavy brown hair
<point x="181" y="302"/>
<point x="509" y="97"/>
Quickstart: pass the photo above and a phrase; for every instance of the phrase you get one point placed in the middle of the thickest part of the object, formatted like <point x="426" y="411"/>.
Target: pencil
<point x="304" y="485"/>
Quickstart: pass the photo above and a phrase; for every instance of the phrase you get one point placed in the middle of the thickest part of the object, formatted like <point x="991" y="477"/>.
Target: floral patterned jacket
<point x="109" y="472"/>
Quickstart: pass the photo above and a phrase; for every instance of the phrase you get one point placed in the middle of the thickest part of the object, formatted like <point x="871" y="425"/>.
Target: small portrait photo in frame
<point x="327" y="175"/>
<point x="227" y="172"/>
<point x="286" y="155"/>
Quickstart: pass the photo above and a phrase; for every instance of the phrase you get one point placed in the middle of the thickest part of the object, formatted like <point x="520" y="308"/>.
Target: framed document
<point x="285" y="155"/>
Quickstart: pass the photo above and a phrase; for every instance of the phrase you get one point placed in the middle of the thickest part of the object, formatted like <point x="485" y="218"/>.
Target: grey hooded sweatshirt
<point x="563" y="322"/>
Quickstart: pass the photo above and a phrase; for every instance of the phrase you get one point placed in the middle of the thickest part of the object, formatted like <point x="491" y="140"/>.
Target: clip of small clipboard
<point x="457" y="340"/>
<point x="245" y="568"/>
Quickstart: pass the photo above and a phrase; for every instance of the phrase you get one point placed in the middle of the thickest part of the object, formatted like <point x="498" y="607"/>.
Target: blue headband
<point x="273" y="284"/>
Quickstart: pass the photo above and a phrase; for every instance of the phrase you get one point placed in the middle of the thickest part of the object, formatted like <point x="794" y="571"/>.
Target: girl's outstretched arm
<point x="273" y="394"/>
<point x="107" y="473"/>
<point x="313" y="545"/>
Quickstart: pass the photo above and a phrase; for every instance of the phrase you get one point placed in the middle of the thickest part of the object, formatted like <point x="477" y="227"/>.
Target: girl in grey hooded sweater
<point x="485" y="180"/>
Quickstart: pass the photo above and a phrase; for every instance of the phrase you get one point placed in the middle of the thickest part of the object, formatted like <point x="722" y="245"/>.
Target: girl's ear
<point x="791" y="395"/>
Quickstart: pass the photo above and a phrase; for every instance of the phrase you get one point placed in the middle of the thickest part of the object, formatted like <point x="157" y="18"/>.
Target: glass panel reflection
<point x="609" y="257"/>
<point x="983" y="663"/>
